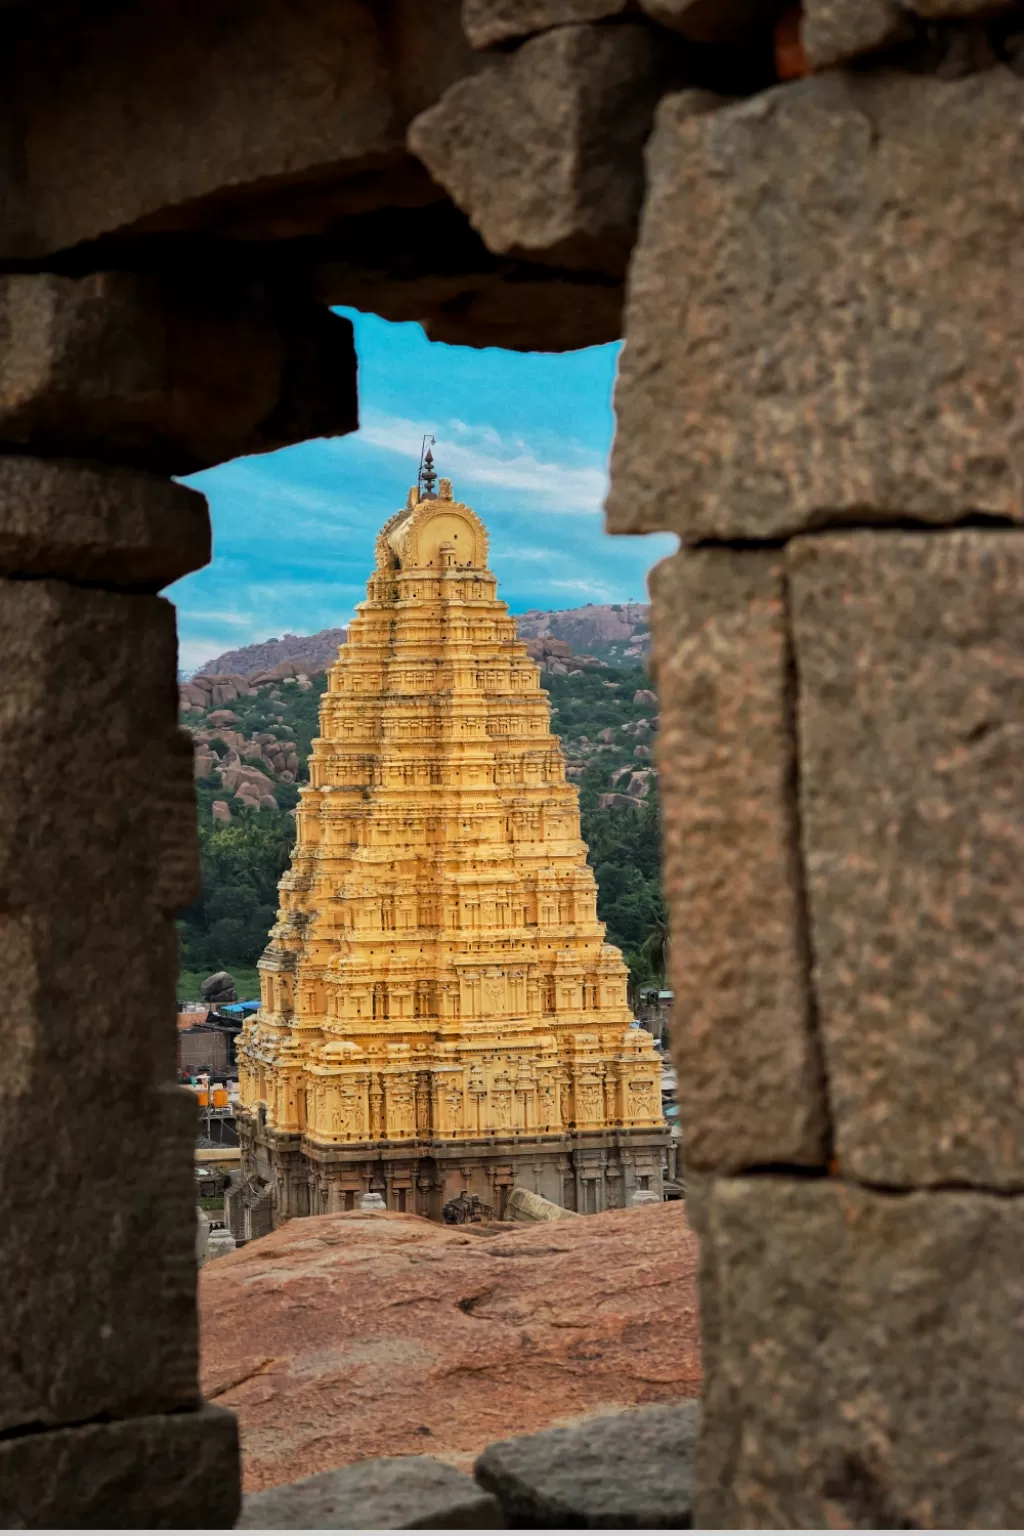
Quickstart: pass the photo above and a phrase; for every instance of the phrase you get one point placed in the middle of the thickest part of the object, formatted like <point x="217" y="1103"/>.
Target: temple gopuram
<point x="441" y="1014"/>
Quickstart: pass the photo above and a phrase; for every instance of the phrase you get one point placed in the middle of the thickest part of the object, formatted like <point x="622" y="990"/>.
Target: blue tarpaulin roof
<point x="238" y="1007"/>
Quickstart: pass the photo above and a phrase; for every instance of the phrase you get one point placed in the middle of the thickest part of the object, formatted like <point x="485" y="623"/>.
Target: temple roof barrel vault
<point x="437" y="970"/>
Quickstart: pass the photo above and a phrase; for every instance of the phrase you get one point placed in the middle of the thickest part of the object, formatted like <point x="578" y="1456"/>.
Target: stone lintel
<point x="866" y="1357"/>
<point x="824" y="308"/>
<point x="911" y="721"/>
<point x="167" y="373"/>
<point x="750" y="1084"/>
<point x="110" y="527"/>
<point x="173" y="1470"/>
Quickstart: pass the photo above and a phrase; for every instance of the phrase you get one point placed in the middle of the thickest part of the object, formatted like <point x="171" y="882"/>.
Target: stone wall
<point x="807" y="226"/>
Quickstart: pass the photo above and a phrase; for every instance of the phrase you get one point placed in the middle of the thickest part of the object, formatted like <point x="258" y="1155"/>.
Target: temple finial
<point x="427" y="477"/>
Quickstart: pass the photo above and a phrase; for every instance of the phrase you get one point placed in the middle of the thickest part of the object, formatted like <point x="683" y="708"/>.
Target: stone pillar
<point x="820" y="389"/>
<point x="103" y="392"/>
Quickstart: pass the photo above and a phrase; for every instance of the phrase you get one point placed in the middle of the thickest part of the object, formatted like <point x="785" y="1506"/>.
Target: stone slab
<point x="833" y="31"/>
<point x="620" y="1471"/>
<point x="868" y="1362"/>
<point x="166" y="1472"/>
<point x="543" y="149"/>
<point x="97" y="1239"/>
<point x="95" y="788"/>
<point x="909" y="651"/>
<point x="391" y="1493"/>
<point x="750" y="1088"/>
<point x="88" y="523"/>
<point x="824" y="308"/>
<point x="487" y="22"/>
<point x="170" y="374"/>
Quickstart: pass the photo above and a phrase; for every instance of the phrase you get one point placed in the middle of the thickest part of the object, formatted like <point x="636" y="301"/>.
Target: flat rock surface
<point x="622" y="1471"/>
<point x="339" y="1338"/>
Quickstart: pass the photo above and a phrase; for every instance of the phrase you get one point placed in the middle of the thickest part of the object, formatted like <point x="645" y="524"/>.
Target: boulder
<point x="646" y="696"/>
<point x="640" y="783"/>
<point x="640" y="751"/>
<point x="607" y="734"/>
<point x="203" y="763"/>
<point x="500" y="1330"/>
<point x="622" y="1470"/>
<point x="218" y="988"/>
<point x="194" y="695"/>
<point x="388" y="1493"/>
<point x="543" y="149"/>
<point x="220" y="811"/>
<point x="616" y="802"/>
<point x="223" y="717"/>
<point x="267" y="803"/>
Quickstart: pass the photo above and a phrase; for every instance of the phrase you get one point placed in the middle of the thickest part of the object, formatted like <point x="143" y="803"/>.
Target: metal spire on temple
<point x="427" y="477"/>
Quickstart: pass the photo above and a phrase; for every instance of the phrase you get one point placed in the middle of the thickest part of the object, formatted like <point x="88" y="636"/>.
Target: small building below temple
<point x="440" y="1011"/>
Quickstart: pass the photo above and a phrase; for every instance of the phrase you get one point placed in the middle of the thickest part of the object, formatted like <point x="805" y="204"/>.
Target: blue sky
<point x="523" y="436"/>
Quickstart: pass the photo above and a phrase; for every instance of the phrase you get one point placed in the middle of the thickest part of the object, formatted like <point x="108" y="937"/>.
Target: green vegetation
<point x="623" y="840"/>
<point x="242" y="860"/>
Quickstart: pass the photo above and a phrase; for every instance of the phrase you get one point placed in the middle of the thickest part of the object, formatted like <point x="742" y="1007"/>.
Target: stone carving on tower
<point x="440" y="1010"/>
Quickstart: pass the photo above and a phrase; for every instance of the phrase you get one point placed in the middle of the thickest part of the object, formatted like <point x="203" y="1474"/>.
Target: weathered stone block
<point x="487" y="22"/>
<point x="622" y="1470"/>
<point x="89" y="751"/>
<point x="832" y="31"/>
<point x="115" y="527"/>
<point x="750" y="1088"/>
<point x="278" y="93"/>
<point x="166" y="1472"/>
<point x="167" y="374"/>
<point x="97" y="1218"/>
<point x="868" y="1358"/>
<point x="543" y="149"/>
<point x="908" y="651"/>
<point x="824" y="308"/>
<point x="392" y="1493"/>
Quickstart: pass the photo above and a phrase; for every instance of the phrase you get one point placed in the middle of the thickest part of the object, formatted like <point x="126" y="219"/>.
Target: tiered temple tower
<point x="440" y="1011"/>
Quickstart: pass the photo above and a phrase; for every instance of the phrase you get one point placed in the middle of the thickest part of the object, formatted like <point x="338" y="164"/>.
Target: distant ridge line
<point x="597" y="629"/>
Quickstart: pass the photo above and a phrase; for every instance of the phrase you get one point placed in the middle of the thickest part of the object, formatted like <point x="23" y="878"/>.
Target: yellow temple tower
<point x="440" y="1012"/>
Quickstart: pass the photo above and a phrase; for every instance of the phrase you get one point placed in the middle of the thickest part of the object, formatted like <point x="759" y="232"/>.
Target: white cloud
<point x="478" y="455"/>
<point x="590" y="588"/>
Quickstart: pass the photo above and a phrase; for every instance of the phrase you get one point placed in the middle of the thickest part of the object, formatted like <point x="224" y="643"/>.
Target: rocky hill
<point x="387" y="1335"/>
<point x="311" y="653"/>
<point x="251" y="736"/>
<point x="612" y="631"/>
